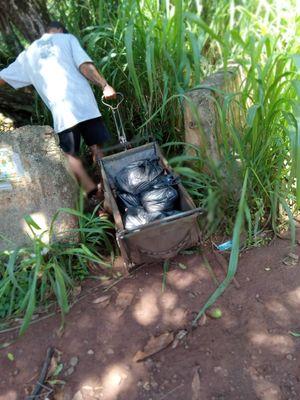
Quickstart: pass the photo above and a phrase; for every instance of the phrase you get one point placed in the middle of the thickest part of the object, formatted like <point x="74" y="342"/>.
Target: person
<point x="60" y="70"/>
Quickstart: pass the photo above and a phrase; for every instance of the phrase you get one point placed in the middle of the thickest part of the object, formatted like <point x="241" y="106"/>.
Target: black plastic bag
<point x="164" y="180"/>
<point x="137" y="216"/>
<point x="159" y="199"/>
<point x="129" y="200"/>
<point x="138" y="176"/>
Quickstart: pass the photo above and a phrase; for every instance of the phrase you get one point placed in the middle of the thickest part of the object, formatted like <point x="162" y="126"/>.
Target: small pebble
<point x="154" y="384"/>
<point x="78" y="396"/>
<point x="90" y="352"/>
<point x="69" y="371"/>
<point x="74" y="361"/>
<point x="289" y="357"/>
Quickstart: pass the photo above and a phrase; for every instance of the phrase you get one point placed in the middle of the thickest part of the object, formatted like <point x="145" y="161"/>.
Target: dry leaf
<point x="180" y="335"/>
<point x="53" y="366"/>
<point x="291" y="260"/>
<point x="76" y="291"/>
<point x="196" y="385"/>
<point x="101" y="299"/>
<point x="124" y="300"/>
<point x="154" y="345"/>
<point x="202" y="320"/>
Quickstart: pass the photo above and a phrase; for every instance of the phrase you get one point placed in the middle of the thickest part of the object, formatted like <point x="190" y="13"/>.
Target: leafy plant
<point x="42" y="273"/>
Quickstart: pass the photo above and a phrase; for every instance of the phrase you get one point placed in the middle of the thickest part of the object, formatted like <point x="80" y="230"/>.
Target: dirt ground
<point x="247" y="354"/>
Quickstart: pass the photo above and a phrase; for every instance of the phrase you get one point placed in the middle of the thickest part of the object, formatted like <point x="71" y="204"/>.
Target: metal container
<point x="158" y="240"/>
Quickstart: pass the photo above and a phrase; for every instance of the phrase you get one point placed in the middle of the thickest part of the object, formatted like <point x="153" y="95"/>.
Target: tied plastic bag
<point x="158" y="200"/>
<point x="138" y="176"/>
<point x="165" y="180"/>
<point x="129" y="200"/>
<point x="137" y="216"/>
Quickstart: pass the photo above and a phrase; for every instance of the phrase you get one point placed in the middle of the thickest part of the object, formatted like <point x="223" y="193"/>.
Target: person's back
<point x="59" y="69"/>
<point x="51" y="64"/>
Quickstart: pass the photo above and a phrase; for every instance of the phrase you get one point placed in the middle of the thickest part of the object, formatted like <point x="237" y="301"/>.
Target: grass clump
<point x="41" y="274"/>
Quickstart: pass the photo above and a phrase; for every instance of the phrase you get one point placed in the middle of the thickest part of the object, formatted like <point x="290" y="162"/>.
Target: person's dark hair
<point x="57" y="25"/>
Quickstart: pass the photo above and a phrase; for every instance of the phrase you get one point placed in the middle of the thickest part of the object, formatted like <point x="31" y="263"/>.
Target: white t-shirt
<point x="51" y="65"/>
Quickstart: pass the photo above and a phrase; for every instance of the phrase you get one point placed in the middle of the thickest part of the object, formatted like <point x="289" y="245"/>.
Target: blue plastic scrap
<point x="225" y="246"/>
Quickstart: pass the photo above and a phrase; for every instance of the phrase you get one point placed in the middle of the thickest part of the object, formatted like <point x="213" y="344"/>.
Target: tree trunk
<point x="30" y="17"/>
<point x="9" y="37"/>
<point x="18" y="105"/>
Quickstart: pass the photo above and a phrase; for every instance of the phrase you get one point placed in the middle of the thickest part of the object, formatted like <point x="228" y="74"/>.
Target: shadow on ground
<point x="247" y="354"/>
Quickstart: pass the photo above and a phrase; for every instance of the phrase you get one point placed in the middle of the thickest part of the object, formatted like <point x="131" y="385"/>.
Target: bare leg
<point x="78" y="170"/>
<point x="97" y="152"/>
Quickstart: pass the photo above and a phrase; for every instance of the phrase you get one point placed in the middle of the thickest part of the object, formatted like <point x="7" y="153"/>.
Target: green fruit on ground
<point x="215" y="313"/>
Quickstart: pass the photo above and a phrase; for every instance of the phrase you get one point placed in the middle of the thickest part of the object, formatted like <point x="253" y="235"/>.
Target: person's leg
<point x="94" y="133"/>
<point x="69" y="141"/>
<point x="78" y="170"/>
<point x="97" y="152"/>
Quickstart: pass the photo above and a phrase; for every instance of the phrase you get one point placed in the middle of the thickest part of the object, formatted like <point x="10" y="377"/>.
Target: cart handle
<point x="113" y="108"/>
<point x="118" y="119"/>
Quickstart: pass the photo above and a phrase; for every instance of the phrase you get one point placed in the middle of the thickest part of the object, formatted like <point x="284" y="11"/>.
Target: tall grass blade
<point x="233" y="262"/>
<point x="32" y="291"/>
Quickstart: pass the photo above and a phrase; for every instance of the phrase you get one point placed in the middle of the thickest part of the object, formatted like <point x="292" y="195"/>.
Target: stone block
<point x="201" y="118"/>
<point x="35" y="181"/>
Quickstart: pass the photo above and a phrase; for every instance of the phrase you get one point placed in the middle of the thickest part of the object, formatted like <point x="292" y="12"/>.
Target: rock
<point x="146" y="386"/>
<point x="149" y="363"/>
<point x="154" y="384"/>
<point x="16" y="371"/>
<point x="69" y="371"/>
<point x="61" y="394"/>
<point x="74" y="361"/>
<point x="204" y="100"/>
<point x="87" y="390"/>
<point x="39" y="184"/>
<point x="78" y="396"/>
<point x="90" y="352"/>
<point x="110" y="351"/>
<point x="289" y="357"/>
<point x="221" y="371"/>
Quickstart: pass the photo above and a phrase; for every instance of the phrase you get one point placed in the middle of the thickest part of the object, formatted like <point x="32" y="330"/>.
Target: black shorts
<point x="93" y="131"/>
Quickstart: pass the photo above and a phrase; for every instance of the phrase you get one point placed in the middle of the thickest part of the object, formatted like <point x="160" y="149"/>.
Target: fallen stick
<point x="40" y="383"/>
<point x="223" y="263"/>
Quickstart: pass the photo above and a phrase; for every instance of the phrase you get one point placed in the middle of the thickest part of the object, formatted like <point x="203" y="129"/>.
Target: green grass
<point x="154" y="52"/>
<point x="42" y="274"/>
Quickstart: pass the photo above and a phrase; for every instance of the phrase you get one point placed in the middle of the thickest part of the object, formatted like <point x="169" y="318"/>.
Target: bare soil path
<point x="247" y="354"/>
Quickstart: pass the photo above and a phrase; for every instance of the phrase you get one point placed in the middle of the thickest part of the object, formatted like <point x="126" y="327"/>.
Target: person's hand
<point x="109" y="92"/>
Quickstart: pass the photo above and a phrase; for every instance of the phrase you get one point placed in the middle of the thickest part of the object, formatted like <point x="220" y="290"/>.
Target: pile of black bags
<point x="146" y="193"/>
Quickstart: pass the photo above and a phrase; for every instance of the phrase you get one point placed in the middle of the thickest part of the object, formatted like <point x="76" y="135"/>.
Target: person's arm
<point x="15" y="74"/>
<point x="89" y="70"/>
